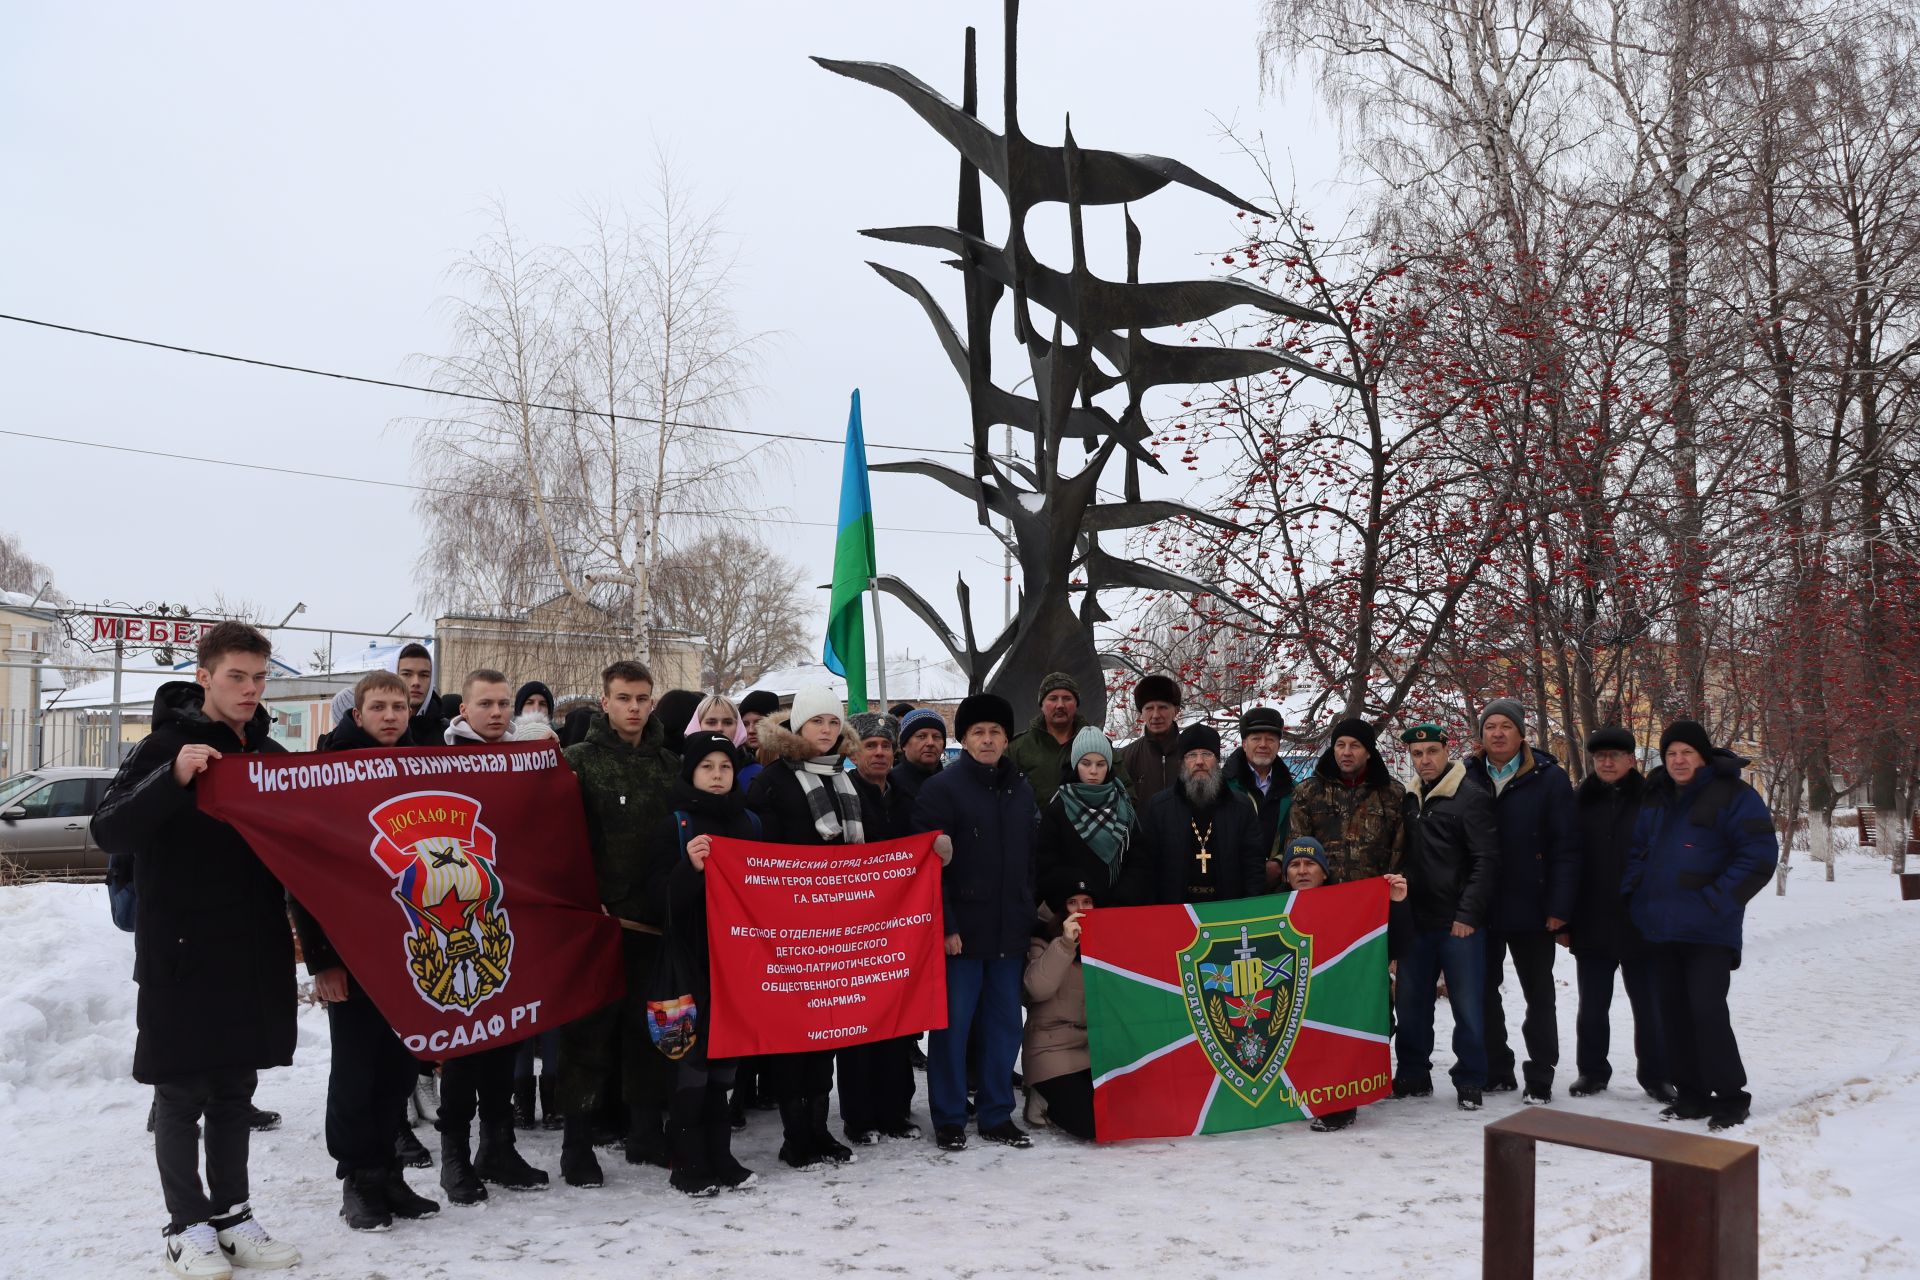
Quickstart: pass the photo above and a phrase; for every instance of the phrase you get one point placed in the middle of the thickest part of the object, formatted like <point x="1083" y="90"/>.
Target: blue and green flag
<point x="853" y="569"/>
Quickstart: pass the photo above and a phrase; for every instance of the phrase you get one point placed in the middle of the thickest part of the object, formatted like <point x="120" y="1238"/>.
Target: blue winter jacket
<point x="1539" y="844"/>
<point x="1700" y="853"/>
<point x="987" y="891"/>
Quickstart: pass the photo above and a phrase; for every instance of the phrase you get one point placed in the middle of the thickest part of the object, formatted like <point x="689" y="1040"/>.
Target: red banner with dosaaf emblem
<point x="455" y="882"/>
<point x="823" y="946"/>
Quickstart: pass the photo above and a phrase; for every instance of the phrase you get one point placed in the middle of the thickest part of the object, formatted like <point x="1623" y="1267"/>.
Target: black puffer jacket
<point x="212" y="951"/>
<point x="1453" y="851"/>
<point x="1606" y="813"/>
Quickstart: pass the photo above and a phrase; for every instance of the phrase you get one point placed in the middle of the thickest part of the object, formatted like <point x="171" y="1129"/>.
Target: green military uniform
<point x="624" y="789"/>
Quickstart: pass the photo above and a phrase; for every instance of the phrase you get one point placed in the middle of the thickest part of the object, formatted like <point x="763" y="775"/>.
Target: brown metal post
<point x="1506" y="1222"/>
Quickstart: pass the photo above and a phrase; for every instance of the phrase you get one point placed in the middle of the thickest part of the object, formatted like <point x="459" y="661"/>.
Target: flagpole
<point x="879" y="640"/>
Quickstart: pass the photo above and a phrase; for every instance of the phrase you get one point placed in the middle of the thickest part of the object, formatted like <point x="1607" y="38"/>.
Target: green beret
<point x="1424" y="733"/>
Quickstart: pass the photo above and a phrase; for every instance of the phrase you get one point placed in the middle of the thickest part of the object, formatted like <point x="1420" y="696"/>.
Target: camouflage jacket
<point x="624" y="790"/>
<point x="1363" y="828"/>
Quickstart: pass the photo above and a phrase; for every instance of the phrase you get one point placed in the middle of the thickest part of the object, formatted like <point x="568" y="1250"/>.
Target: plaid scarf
<point x="834" y="803"/>
<point x="1101" y="815"/>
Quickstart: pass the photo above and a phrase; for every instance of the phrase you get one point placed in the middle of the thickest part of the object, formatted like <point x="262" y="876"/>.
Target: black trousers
<point x="1532" y="952"/>
<point x="876" y="1085"/>
<point x="1690" y="983"/>
<point x="368" y="1084"/>
<point x="480" y="1083"/>
<point x="793" y="1076"/>
<point x="1070" y="1103"/>
<point x="224" y="1099"/>
<point x="1593" y="1027"/>
<point x="616" y="1038"/>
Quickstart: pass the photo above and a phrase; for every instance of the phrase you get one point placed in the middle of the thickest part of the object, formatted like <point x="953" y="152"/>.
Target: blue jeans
<point x="1431" y="953"/>
<point x="983" y="998"/>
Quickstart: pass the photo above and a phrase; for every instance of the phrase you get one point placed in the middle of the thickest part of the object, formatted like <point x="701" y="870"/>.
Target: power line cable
<point x="459" y="395"/>
<point x="423" y="488"/>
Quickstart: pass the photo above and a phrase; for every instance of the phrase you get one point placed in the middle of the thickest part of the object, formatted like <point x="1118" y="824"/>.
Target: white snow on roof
<point x="909" y="679"/>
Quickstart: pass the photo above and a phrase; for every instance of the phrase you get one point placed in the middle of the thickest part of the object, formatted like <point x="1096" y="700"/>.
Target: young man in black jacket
<point x="1453" y="856"/>
<point x="370" y="1075"/>
<point x="212" y="953"/>
<point x="1603" y="937"/>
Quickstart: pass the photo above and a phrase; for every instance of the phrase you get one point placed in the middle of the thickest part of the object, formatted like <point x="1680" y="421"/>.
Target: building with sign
<point x="27" y="636"/>
<point x="562" y="642"/>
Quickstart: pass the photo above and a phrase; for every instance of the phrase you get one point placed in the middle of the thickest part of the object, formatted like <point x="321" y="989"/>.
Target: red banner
<point x="455" y="882"/>
<point x="823" y="946"/>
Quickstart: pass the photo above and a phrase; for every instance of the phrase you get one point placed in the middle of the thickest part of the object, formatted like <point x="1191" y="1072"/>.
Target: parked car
<point x="46" y="819"/>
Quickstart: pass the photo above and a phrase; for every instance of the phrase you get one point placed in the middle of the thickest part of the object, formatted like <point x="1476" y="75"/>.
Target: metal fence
<point x="29" y="741"/>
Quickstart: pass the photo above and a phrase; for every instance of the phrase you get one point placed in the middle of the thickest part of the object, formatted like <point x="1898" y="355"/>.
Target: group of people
<point x="1486" y="854"/>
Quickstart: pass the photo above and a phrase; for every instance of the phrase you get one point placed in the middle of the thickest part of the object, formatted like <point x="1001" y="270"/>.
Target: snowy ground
<point x="1825" y="1007"/>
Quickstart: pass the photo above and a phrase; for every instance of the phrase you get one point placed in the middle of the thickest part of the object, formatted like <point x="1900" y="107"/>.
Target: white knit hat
<point x="814" y="700"/>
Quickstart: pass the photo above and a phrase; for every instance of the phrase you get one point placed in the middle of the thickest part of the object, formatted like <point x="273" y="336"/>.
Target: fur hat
<point x="983" y="708"/>
<point x="1155" y="689"/>
<point x="873" y="724"/>
<point x="1611" y="738"/>
<point x="814" y="700"/>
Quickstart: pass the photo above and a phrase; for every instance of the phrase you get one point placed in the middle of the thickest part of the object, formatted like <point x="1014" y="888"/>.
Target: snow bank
<point x="1823" y="1005"/>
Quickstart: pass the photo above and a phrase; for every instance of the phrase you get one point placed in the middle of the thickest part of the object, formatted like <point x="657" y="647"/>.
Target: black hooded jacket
<point x="212" y="951"/>
<point x="671" y="879"/>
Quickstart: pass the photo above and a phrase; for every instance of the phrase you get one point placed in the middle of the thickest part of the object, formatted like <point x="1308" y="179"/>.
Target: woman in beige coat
<point x="1054" y="1056"/>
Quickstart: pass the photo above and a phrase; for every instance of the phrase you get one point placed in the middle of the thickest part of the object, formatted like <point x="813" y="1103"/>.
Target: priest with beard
<point x="1200" y="841"/>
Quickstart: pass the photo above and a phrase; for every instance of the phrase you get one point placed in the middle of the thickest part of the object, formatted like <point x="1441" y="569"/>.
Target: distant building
<point x="562" y="642"/>
<point x="26" y="639"/>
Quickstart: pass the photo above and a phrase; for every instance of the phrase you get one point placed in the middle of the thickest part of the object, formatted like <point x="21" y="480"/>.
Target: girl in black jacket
<point x="706" y="803"/>
<point x="1089" y="827"/>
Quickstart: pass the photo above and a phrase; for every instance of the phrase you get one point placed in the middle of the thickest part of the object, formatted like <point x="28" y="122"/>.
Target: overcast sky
<point x="291" y="183"/>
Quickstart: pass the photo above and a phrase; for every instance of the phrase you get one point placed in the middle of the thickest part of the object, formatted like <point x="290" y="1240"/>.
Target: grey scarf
<point x="832" y="800"/>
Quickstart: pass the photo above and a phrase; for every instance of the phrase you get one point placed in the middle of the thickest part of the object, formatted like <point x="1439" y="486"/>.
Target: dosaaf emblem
<point x="459" y="941"/>
<point x="1245" y="987"/>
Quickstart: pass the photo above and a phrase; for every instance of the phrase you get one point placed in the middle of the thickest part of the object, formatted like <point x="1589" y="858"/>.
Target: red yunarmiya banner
<point x="823" y="946"/>
<point x="455" y="882"/>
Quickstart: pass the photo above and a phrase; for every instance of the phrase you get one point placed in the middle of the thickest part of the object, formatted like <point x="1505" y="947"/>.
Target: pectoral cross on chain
<point x="1204" y="857"/>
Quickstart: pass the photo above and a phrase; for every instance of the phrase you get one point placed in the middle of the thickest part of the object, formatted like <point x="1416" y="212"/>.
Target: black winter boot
<point x="796" y="1121"/>
<point x="498" y="1160"/>
<point x="409" y="1151"/>
<point x="578" y="1165"/>
<point x="402" y="1200"/>
<point x="523" y="1103"/>
<point x="687" y="1145"/>
<point x="717" y="1124"/>
<point x="363" y="1201"/>
<point x="457" y="1178"/>
<point x="823" y="1139"/>
<point x="550" y="1117"/>
<point x="647" y="1137"/>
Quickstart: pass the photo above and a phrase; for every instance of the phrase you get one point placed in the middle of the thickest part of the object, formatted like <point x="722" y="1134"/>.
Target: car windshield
<point x="18" y="784"/>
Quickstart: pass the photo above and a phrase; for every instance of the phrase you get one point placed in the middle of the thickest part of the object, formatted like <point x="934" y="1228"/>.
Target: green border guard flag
<point x="853" y="569"/>
<point x="1232" y="1015"/>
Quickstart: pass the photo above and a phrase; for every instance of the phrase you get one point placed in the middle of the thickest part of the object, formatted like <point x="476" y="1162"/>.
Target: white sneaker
<point x="426" y="1098"/>
<point x="246" y="1243"/>
<point x="195" y="1251"/>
